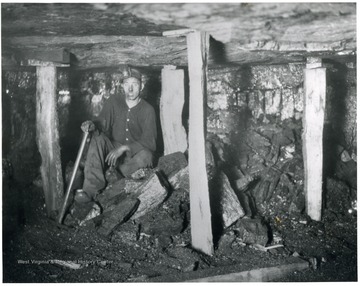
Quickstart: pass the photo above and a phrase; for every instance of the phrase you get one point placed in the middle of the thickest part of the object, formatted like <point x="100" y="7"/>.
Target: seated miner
<point x="124" y="137"/>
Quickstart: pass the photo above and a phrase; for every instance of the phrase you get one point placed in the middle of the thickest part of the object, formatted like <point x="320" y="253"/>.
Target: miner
<point x="124" y="137"/>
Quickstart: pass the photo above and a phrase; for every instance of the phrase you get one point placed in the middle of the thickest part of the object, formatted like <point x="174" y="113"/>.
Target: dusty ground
<point x="31" y="243"/>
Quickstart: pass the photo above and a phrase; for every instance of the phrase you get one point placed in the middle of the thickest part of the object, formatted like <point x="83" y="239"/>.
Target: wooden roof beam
<point x="111" y="51"/>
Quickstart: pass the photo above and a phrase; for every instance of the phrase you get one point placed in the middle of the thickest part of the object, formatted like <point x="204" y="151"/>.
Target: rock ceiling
<point x="105" y="35"/>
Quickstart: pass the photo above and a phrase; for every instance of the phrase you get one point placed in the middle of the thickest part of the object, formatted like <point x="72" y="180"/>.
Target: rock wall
<point x="18" y="125"/>
<point x="19" y="119"/>
<point x="275" y="93"/>
<point x="256" y="112"/>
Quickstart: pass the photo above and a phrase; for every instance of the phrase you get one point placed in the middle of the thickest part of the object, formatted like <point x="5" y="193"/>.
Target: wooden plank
<point x="35" y="63"/>
<point x="243" y="272"/>
<point x="177" y="33"/>
<point x="47" y="134"/>
<point x="58" y="55"/>
<point x="257" y="275"/>
<point x="99" y="51"/>
<point x="141" y="198"/>
<point x="104" y="51"/>
<point x="171" y="108"/>
<point x="201" y="230"/>
<point x="151" y="194"/>
<point x="313" y="124"/>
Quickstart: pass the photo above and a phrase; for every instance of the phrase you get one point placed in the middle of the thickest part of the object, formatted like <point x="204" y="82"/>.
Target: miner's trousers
<point x="95" y="165"/>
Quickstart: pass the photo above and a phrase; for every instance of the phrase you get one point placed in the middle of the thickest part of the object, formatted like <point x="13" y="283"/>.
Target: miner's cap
<point x="129" y="72"/>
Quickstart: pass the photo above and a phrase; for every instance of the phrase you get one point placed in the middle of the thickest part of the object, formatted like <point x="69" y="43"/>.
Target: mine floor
<point x="33" y="245"/>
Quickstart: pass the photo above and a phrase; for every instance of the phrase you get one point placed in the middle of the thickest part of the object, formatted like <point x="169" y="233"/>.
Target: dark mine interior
<point x="254" y="177"/>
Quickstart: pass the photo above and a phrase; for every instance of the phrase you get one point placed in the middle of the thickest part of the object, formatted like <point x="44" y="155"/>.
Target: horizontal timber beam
<point x="105" y="51"/>
<point x="110" y="51"/>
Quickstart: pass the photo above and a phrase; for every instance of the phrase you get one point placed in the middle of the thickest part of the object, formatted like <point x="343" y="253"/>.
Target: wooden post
<point x="47" y="125"/>
<point x="201" y="230"/>
<point x="48" y="137"/>
<point x="313" y="124"/>
<point x="171" y="107"/>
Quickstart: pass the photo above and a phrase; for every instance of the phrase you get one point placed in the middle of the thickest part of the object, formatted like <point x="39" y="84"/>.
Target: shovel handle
<point x="76" y="166"/>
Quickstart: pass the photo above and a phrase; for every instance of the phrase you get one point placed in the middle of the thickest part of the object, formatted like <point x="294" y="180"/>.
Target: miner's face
<point x="132" y="88"/>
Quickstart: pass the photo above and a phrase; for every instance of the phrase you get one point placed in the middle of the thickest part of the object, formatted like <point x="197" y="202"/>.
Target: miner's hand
<point x="115" y="154"/>
<point x="88" y="126"/>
